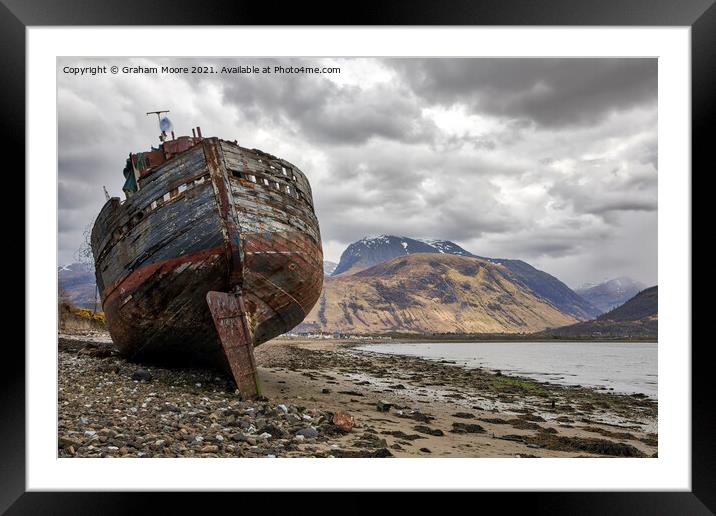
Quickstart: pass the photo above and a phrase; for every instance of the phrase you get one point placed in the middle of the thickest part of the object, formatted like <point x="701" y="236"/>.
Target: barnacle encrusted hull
<point x="212" y="217"/>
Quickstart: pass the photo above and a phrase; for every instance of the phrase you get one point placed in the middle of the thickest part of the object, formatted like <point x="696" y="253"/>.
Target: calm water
<point x="623" y="367"/>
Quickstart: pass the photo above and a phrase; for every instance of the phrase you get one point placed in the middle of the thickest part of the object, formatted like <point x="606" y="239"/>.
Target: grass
<point x="84" y="313"/>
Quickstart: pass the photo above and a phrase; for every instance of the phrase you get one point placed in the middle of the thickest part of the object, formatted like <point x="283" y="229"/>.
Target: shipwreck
<point x="215" y="249"/>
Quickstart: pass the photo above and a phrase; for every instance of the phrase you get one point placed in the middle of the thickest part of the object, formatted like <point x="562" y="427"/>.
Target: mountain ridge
<point x="611" y="293"/>
<point x="637" y="318"/>
<point x="372" y="250"/>
<point x="76" y="285"/>
<point x="431" y="293"/>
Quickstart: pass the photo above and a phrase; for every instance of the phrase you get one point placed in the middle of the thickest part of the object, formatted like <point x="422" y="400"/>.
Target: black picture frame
<point x="17" y="15"/>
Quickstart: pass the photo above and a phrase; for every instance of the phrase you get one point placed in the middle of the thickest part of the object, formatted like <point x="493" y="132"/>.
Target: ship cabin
<point x="142" y="164"/>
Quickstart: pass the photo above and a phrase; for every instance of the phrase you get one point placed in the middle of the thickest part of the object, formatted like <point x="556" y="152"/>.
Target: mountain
<point x="371" y="251"/>
<point x="329" y="267"/>
<point x="431" y="293"/>
<point x="642" y="307"/>
<point x="550" y="288"/>
<point x="612" y="293"/>
<point x="637" y="318"/>
<point x="76" y="285"/>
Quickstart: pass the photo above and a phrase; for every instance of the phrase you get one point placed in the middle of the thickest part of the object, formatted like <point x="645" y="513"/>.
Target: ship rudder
<point x="231" y="322"/>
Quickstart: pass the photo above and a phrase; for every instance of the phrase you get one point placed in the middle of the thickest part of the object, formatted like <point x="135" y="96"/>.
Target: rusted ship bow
<point x="216" y="249"/>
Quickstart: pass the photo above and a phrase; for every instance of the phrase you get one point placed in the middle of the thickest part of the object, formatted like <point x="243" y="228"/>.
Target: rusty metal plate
<point x="231" y="323"/>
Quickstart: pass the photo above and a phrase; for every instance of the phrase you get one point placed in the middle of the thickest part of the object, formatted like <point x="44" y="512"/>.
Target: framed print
<point x="414" y="254"/>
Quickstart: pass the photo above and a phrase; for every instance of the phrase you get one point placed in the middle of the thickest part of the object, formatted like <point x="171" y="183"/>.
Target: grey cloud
<point x="637" y="193"/>
<point x="550" y="92"/>
<point x="327" y="112"/>
<point x="557" y="241"/>
<point x="625" y="204"/>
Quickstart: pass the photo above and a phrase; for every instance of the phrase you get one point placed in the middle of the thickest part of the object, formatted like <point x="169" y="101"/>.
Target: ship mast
<point x="164" y="124"/>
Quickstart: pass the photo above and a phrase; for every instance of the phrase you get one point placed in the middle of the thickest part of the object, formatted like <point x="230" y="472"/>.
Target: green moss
<point x="517" y="385"/>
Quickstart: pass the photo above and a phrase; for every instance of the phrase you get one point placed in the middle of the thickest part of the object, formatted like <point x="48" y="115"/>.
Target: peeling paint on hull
<point x="234" y="218"/>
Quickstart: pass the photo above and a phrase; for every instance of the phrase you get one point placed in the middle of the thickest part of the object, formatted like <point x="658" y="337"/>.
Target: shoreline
<point x="377" y="339"/>
<point x="400" y="406"/>
<point x="514" y="373"/>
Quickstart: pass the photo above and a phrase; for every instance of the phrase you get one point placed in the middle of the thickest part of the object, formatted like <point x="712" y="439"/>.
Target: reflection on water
<point x="623" y="367"/>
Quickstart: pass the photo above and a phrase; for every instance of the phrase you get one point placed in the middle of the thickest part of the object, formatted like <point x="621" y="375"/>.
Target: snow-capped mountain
<point x="611" y="293"/>
<point x="76" y="284"/>
<point x="370" y="251"/>
<point x="447" y="247"/>
<point x="329" y="267"/>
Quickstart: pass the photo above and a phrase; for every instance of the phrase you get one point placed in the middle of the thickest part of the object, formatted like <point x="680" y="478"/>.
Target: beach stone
<point x="308" y="433"/>
<point x="370" y="441"/>
<point x="142" y="375"/>
<point x="344" y="421"/>
<point x="273" y="430"/>
<point x="383" y="406"/>
<point x="67" y="442"/>
<point x="466" y="428"/>
<point x="427" y="430"/>
<point x="238" y="437"/>
<point x="419" y="416"/>
<point x="209" y="448"/>
<point x="293" y="418"/>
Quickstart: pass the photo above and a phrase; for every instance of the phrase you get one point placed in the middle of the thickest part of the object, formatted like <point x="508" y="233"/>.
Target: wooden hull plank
<point x="231" y="322"/>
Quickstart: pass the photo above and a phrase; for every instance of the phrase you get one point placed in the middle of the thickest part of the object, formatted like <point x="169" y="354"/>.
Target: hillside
<point x="431" y="293"/>
<point x="637" y="318"/>
<point x="329" y="267"/>
<point x="610" y="294"/>
<point x="76" y="285"/>
<point x="645" y="305"/>
<point x="550" y="288"/>
<point x="371" y="251"/>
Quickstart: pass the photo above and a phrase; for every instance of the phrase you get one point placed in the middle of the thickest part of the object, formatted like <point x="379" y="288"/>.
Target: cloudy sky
<point x="553" y="161"/>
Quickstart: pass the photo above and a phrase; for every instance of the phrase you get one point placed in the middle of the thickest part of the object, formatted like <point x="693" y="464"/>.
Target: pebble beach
<point x="325" y="398"/>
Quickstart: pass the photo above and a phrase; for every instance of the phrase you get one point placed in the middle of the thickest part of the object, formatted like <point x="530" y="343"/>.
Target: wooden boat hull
<point x="230" y="220"/>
